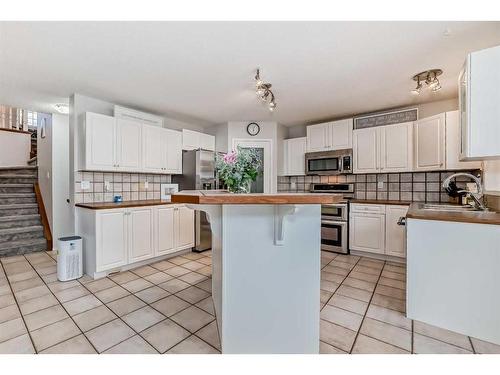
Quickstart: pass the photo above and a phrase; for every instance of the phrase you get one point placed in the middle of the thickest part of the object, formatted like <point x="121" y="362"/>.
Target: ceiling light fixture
<point x="263" y="91"/>
<point x="62" y="108"/>
<point x="430" y="78"/>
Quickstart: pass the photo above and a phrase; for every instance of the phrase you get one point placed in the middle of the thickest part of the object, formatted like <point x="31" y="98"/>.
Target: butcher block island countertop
<point x="224" y="197"/>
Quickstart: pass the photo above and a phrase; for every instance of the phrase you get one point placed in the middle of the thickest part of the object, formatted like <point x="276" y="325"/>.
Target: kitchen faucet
<point x="476" y="197"/>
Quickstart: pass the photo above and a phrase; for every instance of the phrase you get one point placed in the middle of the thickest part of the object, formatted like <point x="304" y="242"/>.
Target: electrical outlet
<point x="380" y="185"/>
<point x="146" y="185"/>
<point x="85" y="185"/>
<point x="293" y="185"/>
<point x="107" y="186"/>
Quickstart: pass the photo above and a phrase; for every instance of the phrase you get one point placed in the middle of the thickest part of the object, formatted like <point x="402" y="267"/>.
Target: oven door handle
<point x="333" y="222"/>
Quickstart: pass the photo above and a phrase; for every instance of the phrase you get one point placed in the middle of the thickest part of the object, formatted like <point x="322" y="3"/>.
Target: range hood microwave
<point x="328" y="163"/>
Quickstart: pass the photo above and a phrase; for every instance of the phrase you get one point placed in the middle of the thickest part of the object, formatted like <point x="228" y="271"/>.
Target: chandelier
<point x="263" y="91"/>
<point x="429" y="78"/>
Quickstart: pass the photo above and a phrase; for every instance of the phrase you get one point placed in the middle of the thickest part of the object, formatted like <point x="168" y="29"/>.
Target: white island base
<point x="266" y="276"/>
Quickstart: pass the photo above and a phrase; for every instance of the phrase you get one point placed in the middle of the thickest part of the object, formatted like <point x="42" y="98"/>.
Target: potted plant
<point x="238" y="169"/>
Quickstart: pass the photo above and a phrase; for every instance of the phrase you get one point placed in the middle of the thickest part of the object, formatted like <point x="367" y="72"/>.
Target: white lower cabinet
<point x="116" y="239"/>
<point x="366" y="232"/>
<point x="140" y="233"/>
<point x="395" y="235"/>
<point x="164" y="226"/>
<point x="374" y="229"/>
<point x="111" y="239"/>
<point x="183" y="224"/>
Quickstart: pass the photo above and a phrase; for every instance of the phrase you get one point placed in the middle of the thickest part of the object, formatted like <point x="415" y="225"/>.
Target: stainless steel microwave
<point x="327" y="163"/>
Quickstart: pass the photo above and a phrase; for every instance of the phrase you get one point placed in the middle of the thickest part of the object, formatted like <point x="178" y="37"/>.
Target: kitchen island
<point x="452" y="270"/>
<point x="265" y="268"/>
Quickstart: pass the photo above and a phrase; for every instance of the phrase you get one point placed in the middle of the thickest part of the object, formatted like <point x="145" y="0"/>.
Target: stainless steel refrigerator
<point x="198" y="173"/>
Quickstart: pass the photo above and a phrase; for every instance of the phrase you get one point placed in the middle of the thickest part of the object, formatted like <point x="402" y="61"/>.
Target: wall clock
<point x="253" y="129"/>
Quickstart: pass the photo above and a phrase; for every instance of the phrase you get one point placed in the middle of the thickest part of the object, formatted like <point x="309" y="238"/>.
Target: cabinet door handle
<point x="402" y="220"/>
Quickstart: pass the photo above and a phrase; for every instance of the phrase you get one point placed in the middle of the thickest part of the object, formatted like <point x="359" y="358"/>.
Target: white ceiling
<point x="202" y="72"/>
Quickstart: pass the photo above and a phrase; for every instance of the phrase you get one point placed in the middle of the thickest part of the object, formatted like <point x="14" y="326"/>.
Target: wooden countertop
<point x="125" y="204"/>
<point x="380" y="201"/>
<point x="478" y="217"/>
<point x="224" y="197"/>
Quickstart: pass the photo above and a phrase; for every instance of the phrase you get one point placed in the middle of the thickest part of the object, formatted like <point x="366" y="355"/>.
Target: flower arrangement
<point x="237" y="169"/>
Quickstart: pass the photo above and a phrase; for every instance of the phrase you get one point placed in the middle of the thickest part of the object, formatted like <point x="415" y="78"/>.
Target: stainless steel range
<point x="335" y="217"/>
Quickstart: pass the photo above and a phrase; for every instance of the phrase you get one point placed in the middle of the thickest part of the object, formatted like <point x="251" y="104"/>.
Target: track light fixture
<point x="430" y="78"/>
<point x="263" y="91"/>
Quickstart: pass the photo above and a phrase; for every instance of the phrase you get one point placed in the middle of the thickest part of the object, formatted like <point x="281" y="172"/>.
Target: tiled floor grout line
<point x="147" y="304"/>
<point x="62" y="306"/>
<point x="17" y="305"/>
<point x="366" y="312"/>
<point x="412" y="337"/>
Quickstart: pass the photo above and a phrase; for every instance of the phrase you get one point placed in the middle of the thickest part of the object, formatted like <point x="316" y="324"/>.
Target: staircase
<point x="21" y="229"/>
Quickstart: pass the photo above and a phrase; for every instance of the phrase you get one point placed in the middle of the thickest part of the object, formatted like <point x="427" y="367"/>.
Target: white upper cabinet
<point x="453" y="144"/>
<point x="162" y="151"/>
<point x="366" y="150"/>
<point x="193" y="140"/>
<point x="154" y="143"/>
<point x="336" y="135"/>
<point x="383" y="149"/>
<point x="294" y="156"/>
<point x="479" y="110"/>
<point x="100" y="141"/>
<point x="173" y="162"/>
<point x="341" y="134"/>
<point x="118" y="144"/>
<point x="317" y="137"/>
<point x="396" y="147"/>
<point x="429" y="143"/>
<point x="128" y="145"/>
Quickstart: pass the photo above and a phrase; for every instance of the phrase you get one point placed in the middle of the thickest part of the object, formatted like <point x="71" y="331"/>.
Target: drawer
<point x="371" y="208"/>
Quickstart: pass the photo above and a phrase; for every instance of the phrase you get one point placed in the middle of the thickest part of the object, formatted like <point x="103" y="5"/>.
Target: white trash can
<point x="69" y="258"/>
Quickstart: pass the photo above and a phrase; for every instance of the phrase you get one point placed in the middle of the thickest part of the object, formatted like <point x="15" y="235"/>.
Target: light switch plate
<point x="380" y="185"/>
<point x="146" y="185"/>
<point x="85" y="185"/>
<point x="107" y="186"/>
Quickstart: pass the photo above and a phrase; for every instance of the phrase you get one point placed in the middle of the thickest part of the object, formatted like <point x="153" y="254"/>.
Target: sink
<point x="448" y="207"/>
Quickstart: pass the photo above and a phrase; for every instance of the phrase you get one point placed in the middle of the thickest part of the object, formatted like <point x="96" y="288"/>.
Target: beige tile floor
<point x="166" y="307"/>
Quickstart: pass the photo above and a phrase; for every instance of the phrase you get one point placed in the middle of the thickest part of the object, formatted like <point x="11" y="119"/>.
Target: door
<point x="266" y="182"/>
<point x="111" y="239"/>
<point x="396" y="151"/>
<point x="341" y="134"/>
<point x="317" y="137"/>
<point x="365" y="150"/>
<point x="154" y="143"/>
<point x="367" y="232"/>
<point x="452" y="135"/>
<point x="296" y="149"/>
<point x="395" y="235"/>
<point x="173" y="150"/>
<point x="140" y="229"/>
<point x="100" y="139"/>
<point x="128" y="145"/>
<point x="165" y="234"/>
<point x="429" y="143"/>
<point x="185" y="227"/>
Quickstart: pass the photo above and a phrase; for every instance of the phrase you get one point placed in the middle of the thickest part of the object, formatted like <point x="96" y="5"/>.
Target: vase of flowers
<point x="237" y="169"/>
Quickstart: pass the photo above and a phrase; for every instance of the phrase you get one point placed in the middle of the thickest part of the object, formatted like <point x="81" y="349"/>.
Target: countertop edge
<point x="126" y="204"/>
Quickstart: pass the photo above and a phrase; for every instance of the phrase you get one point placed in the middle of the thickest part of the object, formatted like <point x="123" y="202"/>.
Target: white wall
<point x="61" y="209"/>
<point x="424" y="110"/>
<point x="44" y="158"/>
<point x="14" y="149"/>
